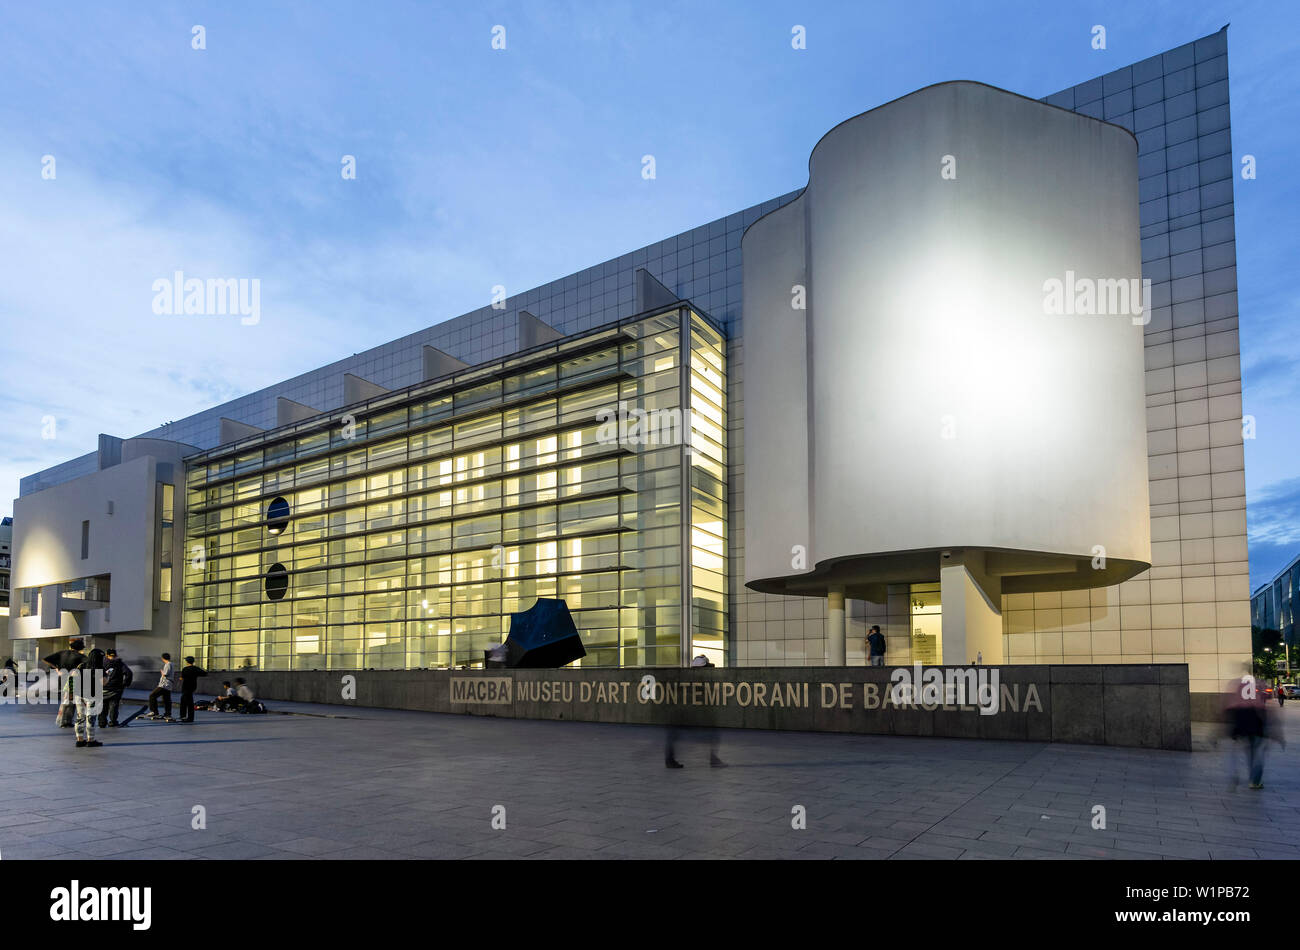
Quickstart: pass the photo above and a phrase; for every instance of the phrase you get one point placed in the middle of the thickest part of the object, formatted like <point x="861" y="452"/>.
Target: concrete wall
<point x="47" y="547"/>
<point x="1142" y="705"/>
<point x="123" y="544"/>
<point x="778" y="422"/>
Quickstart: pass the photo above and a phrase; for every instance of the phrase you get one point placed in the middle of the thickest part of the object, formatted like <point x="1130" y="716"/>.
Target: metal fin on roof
<point x="437" y="363"/>
<point x="358" y="389"/>
<point x="535" y="332"/>
<point x="287" y="411"/>
<point x="651" y="292"/>
<point x="232" y="430"/>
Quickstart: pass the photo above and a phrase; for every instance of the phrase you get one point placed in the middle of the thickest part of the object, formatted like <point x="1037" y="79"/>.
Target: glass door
<point x="927" y="625"/>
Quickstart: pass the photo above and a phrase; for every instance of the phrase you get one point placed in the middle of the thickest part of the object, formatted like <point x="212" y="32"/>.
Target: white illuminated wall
<point x="925" y="399"/>
<point x="122" y="544"/>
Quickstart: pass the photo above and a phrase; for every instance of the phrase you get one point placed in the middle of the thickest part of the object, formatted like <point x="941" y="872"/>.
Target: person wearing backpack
<point x="875" y="647"/>
<point x="117" y="677"/>
<point x="189" y="680"/>
<point x="163" y="691"/>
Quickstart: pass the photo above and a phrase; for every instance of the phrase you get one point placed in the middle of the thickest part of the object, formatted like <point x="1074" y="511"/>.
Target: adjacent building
<point x="6" y="561"/>
<point x="862" y="402"/>
<point x="1273" y="605"/>
<point x="99" y="556"/>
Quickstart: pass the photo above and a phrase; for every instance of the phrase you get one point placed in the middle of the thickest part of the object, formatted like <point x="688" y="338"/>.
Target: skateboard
<point x="129" y="719"/>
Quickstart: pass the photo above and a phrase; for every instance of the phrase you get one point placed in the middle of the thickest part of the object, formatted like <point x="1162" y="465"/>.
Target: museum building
<point x="857" y="403"/>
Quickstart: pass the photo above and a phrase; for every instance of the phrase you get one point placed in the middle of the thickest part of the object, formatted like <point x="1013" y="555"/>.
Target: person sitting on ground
<point x="225" y="700"/>
<point x="243" y="695"/>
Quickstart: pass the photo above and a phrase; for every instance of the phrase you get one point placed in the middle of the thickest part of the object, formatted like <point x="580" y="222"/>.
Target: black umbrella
<point x="543" y="637"/>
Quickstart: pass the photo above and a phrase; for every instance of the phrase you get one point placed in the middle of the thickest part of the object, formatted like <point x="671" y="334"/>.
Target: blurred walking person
<point x="674" y="731"/>
<point x="1250" y="722"/>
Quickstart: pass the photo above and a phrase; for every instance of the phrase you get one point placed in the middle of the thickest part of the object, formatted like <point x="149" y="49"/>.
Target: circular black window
<point x="277" y="581"/>
<point x="277" y="515"/>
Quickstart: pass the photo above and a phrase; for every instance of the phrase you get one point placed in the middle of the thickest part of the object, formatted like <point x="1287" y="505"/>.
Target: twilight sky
<point x="478" y="167"/>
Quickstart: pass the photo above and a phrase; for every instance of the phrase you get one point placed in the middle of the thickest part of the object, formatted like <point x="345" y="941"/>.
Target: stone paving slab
<point x="334" y="783"/>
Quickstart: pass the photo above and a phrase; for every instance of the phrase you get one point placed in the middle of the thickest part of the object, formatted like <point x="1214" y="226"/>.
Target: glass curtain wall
<point x="404" y="532"/>
<point x="707" y="464"/>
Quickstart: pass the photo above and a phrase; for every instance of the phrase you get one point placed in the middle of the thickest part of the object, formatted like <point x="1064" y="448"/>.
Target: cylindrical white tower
<point x="941" y="390"/>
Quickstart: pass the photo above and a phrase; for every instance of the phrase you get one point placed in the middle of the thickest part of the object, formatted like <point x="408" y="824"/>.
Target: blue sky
<point x="478" y="167"/>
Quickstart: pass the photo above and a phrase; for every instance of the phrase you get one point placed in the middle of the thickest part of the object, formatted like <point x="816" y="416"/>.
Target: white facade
<point x="931" y="399"/>
<point x="107" y="526"/>
<point x="928" y="395"/>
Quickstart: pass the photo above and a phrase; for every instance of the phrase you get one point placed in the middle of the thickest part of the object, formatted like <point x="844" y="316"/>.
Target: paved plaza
<point x="333" y="782"/>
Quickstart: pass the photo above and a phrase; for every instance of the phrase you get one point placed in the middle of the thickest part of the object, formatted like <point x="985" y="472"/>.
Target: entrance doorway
<point x="927" y="624"/>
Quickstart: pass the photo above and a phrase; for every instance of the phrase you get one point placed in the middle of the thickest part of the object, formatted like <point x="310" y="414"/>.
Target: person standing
<point x="189" y="680"/>
<point x="117" y="677"/>
<point x="163" y="691"/>
<point x="70" y="658"/>
<point x="875" y="647"/>
<point x="87" y="693"/>
<point x="65" y="661"/>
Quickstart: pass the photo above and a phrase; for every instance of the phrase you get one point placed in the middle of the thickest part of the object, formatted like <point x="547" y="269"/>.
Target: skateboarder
<point x="163" y="691"/>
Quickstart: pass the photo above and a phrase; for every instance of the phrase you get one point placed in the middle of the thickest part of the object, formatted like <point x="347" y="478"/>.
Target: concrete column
<point x="972" y="614"/>
<point x="835" y="653"/>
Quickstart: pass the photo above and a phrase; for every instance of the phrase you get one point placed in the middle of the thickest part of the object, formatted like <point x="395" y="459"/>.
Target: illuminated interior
<point x="927" y="624"/>
<point x="414" y="534"/>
